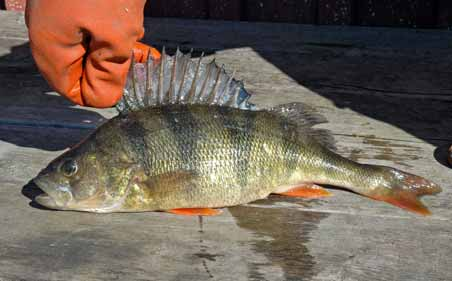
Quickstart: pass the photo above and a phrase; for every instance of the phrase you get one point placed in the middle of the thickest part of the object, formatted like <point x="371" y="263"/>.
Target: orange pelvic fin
<point x="195" y="212"/>
<point x="306" y="190"/>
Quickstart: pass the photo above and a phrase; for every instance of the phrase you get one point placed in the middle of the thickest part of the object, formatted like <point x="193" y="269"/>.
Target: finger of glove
<point x="107" y="64"/>
<point x="141" y="52"/>
<point x="58" y="52"/>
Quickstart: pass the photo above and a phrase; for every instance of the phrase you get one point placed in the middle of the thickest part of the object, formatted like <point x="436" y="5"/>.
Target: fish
<point x="188" y="141"/>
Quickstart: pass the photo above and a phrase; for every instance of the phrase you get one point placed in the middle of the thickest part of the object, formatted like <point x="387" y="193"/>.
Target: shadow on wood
<point x="47" y="121"/>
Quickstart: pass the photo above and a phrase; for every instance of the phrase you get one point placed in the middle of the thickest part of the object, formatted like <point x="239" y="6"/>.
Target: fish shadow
<point x="441" y="153"/>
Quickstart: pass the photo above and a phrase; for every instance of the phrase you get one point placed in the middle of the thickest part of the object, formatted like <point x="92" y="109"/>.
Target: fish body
<point x="169" y="157"/>
<point x="199" y="156"/>
<point x="209" y="151"/>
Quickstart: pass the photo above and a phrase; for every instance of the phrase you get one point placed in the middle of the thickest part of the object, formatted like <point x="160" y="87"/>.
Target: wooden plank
<point x="306" y="78"/>
<point x="326" y="76"/>
<point x="278" y="238"/>
<point x="380" y="249"/>
<point x="270" y="240"/>
<point x="15" y="5"/>
<point x="281" y="11"/>
<point x="335" y="12"/>
<point x="225" y="9"/>
<point x="14" y="27"/>
<point x="417" y="13"/>
<point x="444" y="13"/>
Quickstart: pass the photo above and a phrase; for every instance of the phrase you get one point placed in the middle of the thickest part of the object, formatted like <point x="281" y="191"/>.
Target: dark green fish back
<point x="188" y="130"/>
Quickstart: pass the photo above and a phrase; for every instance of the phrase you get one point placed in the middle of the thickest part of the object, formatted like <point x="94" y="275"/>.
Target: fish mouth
<point x="44" y="199"/>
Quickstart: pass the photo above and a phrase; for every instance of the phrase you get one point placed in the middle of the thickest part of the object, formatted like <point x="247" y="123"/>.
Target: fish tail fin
<point x="404" y="191"/>
<point x="180" y="80"/>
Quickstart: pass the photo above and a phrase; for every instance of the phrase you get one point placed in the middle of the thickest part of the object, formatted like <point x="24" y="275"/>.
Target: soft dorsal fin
<point x="300" y="113"/>
<point x="180" y="80"/>
<point x="306" y="117"/>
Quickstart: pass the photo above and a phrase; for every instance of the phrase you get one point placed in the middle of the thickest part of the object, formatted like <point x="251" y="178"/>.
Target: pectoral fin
<point x="305" y="190"/>
<point x="195" y="212"/>
<point x="176" y="182"/>
<point x="175" y="178"/>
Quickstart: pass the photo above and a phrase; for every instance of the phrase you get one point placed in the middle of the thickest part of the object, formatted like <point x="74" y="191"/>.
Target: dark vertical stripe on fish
<point x="185" y="136"/>
<point x="135" y="133"/>
<point x="240" y="126"/>
<point x="290" y="137"/>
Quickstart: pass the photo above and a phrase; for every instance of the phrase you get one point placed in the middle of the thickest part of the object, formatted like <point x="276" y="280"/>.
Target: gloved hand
<point x="84" y="48"/>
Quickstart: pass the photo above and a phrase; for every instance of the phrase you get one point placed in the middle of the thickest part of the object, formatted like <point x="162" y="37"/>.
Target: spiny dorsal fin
<point x="179" y="80"/>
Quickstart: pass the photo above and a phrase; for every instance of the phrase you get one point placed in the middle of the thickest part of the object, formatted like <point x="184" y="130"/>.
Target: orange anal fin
<point x="195" y="212"/>
<point x="307" y="190"/>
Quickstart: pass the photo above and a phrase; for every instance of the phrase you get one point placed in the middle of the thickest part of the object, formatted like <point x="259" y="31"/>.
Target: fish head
<point x="73" y="181"/>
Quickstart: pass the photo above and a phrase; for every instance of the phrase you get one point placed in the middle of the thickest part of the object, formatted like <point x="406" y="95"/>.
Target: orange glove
<point x="83" y="48"/>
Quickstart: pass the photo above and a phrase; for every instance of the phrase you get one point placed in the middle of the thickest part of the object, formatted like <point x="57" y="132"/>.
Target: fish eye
<point x="69" y="168"/>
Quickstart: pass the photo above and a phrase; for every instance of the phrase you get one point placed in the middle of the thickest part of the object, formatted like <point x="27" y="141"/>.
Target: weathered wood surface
<point x="387" y="103"/>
